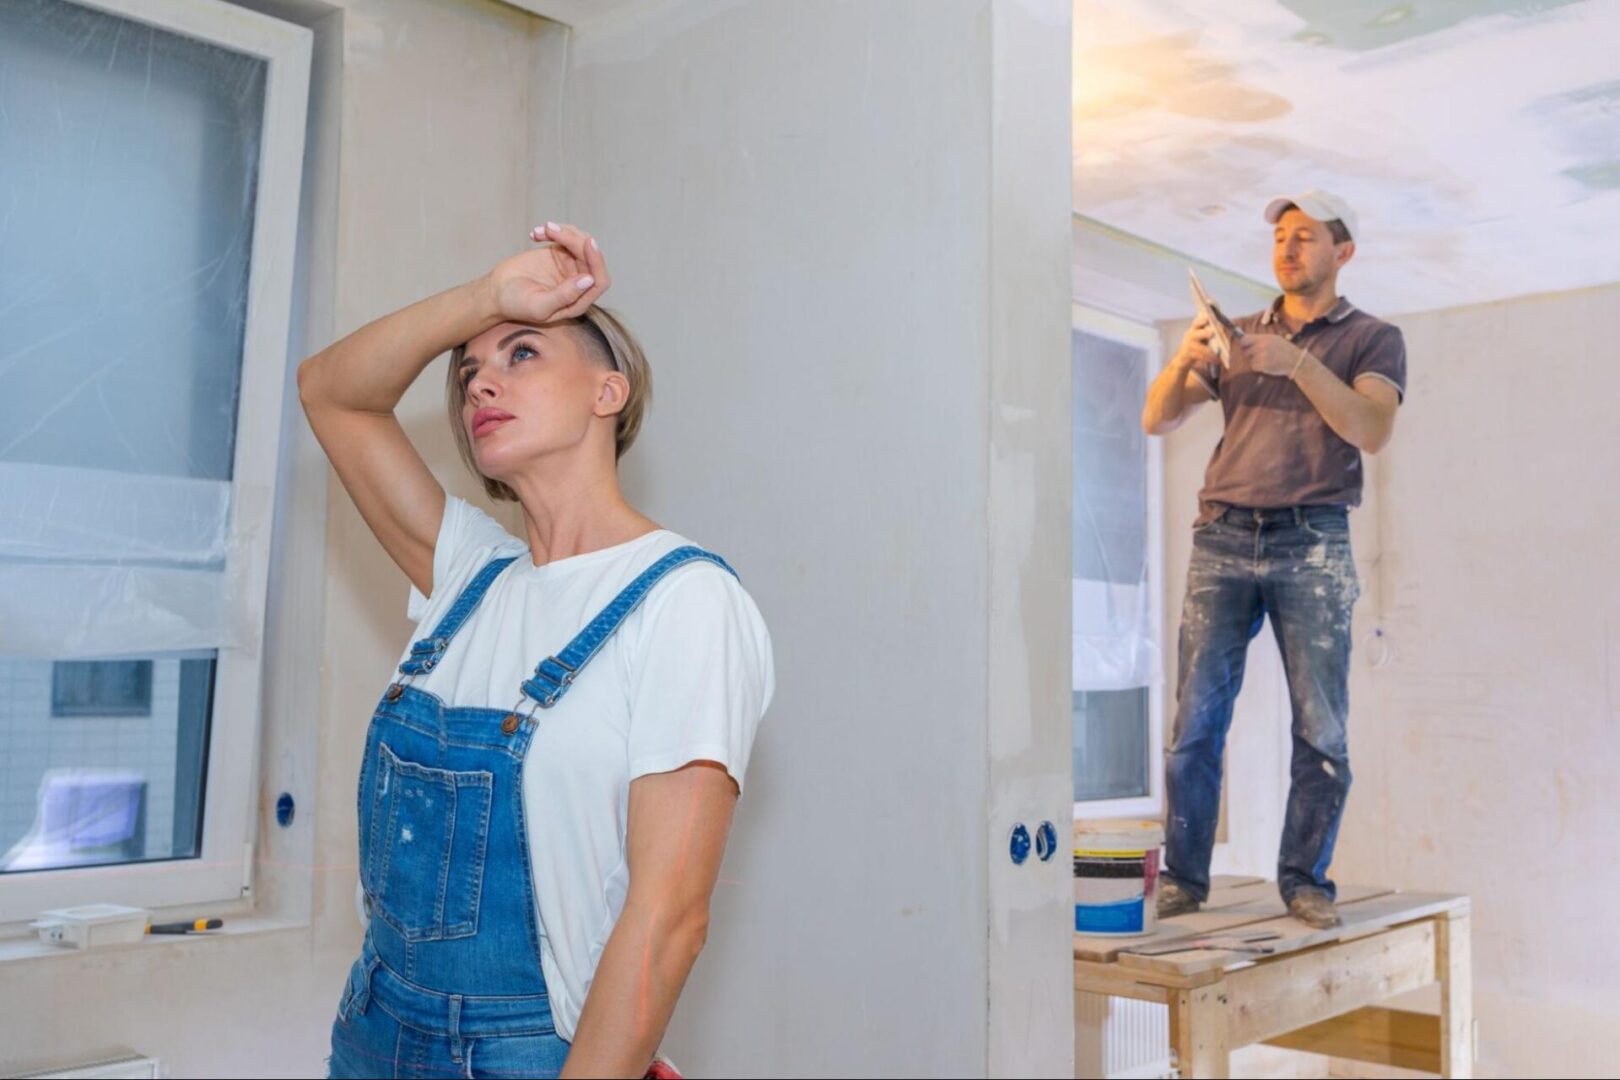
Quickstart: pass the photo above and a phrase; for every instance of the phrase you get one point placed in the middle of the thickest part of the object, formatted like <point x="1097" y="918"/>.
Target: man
<point x="1312" y="383"/>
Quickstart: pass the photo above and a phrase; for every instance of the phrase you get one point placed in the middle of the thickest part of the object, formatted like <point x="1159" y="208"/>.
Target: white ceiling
<point x="1479" y="140"/>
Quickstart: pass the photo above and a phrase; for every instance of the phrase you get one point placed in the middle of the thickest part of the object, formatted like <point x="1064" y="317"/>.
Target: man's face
<point x="1303" y="253"/>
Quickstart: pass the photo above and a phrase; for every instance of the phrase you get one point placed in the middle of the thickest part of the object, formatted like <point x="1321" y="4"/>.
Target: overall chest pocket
<point x="424" y="864"/>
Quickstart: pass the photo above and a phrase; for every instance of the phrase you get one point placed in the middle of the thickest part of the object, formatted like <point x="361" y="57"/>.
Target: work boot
<point x="1174" y="900"/>
<point x="1313" y="908"/>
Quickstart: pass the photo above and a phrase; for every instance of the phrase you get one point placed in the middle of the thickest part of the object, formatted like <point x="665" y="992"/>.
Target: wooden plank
<point x="1270" y="999"/>
<point x="1362" y="915"/>
<point x="1227" y="889"/>
<point x="1198" y="1032"/>
<point x="1106" y="949"/>
<point x="1236" y="904"/>
<point x="1454" y="969"/>
<point x="1095" y="978"/>
<point x="1398" y="1038"/>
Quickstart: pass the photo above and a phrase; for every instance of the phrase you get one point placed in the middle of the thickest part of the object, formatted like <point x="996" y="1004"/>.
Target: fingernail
<point x="537" y="230"/>
<point x="594" y="247"/>
<point x="585" y="282"/>
<point x="551" y="224"/>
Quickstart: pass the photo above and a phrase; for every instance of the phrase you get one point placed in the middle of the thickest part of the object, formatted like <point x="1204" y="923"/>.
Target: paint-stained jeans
<point x="1295" y="567"/>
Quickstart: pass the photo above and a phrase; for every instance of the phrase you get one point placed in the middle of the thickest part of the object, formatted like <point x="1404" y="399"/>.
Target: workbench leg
<point x="1198" y="1030"/>
<point x="1455" y="973"/>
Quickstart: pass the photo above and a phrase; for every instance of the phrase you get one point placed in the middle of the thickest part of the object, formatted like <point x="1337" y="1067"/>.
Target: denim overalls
<point x="449" y="982"/>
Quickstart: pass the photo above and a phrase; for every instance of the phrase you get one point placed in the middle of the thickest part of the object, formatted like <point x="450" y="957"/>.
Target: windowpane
<point x="128" y="166"/>
<point x="1110" y="460"/>
<point x="97" y="781"/>
<point x="1115" y="648"/>
<point x="129" y="161"/>
<point x="1115" y="627"/>
<point x="101" y="688"/>
<point x="1111" y="746"/>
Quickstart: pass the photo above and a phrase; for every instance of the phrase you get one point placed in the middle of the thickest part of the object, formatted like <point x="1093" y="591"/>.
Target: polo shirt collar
<point x="1341" y="311"/>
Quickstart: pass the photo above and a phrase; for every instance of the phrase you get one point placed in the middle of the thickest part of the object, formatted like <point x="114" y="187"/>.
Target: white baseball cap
<point x="1321" y="205"/>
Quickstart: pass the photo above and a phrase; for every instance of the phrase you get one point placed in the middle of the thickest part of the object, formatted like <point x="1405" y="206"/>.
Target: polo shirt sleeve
<point x="1383" y="357"/>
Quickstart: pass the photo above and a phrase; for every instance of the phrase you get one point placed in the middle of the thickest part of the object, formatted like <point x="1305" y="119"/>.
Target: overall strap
<point x="425" y="654"/>
<point x="556" y="674"/>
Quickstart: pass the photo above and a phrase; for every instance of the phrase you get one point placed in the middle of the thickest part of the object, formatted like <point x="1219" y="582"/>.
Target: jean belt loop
<point x="455" y="1028"/>
<point x="1299" y="516"/>
<point x="362" y="997"/>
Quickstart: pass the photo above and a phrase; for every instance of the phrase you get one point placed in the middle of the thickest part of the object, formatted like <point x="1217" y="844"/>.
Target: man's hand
<point x="1195" y="350"/>
<point x="1269" y="354"/>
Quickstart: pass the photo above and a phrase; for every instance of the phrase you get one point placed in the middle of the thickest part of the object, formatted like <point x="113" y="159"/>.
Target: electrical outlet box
<point x="92" y="925"/>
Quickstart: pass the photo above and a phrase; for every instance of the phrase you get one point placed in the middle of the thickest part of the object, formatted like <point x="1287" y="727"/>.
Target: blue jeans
<point x="1293" y="566"/>
<point x="370" y="1040"/>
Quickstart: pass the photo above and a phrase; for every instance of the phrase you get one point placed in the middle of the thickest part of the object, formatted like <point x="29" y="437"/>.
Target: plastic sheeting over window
<point x="129" y="161"/>
<point x="1115" y="637"/>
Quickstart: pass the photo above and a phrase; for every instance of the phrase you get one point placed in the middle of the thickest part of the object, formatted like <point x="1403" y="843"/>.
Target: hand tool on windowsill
<point x="196" y="926"/>
<point x="1243" y="943"/>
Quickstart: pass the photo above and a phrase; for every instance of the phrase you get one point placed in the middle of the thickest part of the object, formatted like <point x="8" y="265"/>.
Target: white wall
<point x="1484" y="750"/>
<point x="848" y="261"/>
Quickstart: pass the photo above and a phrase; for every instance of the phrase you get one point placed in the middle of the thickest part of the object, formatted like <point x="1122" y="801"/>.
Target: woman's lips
<point x="485" y="421"/>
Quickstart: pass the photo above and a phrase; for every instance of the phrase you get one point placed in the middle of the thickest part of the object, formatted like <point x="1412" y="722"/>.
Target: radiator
<point x="116" y="1065"/>
<point x="1120" y="1039"/>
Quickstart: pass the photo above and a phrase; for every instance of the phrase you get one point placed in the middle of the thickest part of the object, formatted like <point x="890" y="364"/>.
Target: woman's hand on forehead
<point x="559" y="279"/>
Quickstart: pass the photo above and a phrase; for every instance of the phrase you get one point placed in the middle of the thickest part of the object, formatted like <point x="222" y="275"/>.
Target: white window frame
<point x="1143" y="336"/>
<point x="223" y="868"/>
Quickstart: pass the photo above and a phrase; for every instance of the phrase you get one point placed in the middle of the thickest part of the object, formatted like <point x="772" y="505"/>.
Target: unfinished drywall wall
<point x="1486" y="745"/>
<point x="1485" y="723"/>
<point x="809" y="208"/>
<point x="423" y="119"/>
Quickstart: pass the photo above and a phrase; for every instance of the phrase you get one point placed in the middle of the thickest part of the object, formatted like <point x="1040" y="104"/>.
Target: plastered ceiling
<point x="1479" y="141"/>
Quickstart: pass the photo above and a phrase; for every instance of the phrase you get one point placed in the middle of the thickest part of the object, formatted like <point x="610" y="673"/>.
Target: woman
<point x="549" y="780"/>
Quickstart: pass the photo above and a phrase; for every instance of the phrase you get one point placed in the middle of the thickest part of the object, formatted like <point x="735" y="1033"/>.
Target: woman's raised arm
<point x="350" y="388"/>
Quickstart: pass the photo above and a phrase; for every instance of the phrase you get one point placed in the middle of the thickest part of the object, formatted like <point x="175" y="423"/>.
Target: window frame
<point x="1145" y="336"/>
<point x="222" y="869"/>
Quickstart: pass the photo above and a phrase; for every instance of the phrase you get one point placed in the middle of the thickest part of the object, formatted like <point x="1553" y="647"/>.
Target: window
<point x="101" y="688"/>
<point x="150" y="158"/>
<point x="1117" y="545"/>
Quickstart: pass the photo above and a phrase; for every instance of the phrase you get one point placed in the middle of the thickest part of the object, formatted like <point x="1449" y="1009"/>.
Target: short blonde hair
<point x="602" y="336"/>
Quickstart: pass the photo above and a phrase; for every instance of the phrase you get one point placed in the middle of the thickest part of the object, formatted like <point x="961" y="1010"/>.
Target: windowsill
<point x="28" y="946"/>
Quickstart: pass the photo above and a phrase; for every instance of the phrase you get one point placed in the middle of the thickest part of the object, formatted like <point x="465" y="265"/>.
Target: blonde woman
<point x="550" y="777"/>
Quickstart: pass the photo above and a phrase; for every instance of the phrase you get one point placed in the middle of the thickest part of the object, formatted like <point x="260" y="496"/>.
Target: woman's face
<point x="530" y="391"/>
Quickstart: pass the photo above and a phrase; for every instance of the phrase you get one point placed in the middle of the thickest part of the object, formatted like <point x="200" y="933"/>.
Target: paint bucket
<point x="1116" y="877"/>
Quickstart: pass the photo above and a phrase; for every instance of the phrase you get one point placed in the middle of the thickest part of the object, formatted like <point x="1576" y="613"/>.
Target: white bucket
<point x="1116" y="877"/>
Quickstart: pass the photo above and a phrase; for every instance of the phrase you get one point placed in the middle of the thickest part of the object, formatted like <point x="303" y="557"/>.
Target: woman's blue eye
<point x="523" y="349"/>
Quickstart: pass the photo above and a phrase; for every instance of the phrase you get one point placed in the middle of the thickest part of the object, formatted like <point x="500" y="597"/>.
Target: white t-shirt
<point x="686" y="678"/>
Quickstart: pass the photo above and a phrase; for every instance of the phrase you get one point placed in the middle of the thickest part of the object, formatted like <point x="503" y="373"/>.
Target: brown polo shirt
<point x="1277" y="451"/>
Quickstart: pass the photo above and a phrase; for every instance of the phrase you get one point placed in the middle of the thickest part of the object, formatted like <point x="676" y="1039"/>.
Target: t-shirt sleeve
<point x="1384" y="358"/>
<point x="701" y="678"/>
<point x="467" y="538"/>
